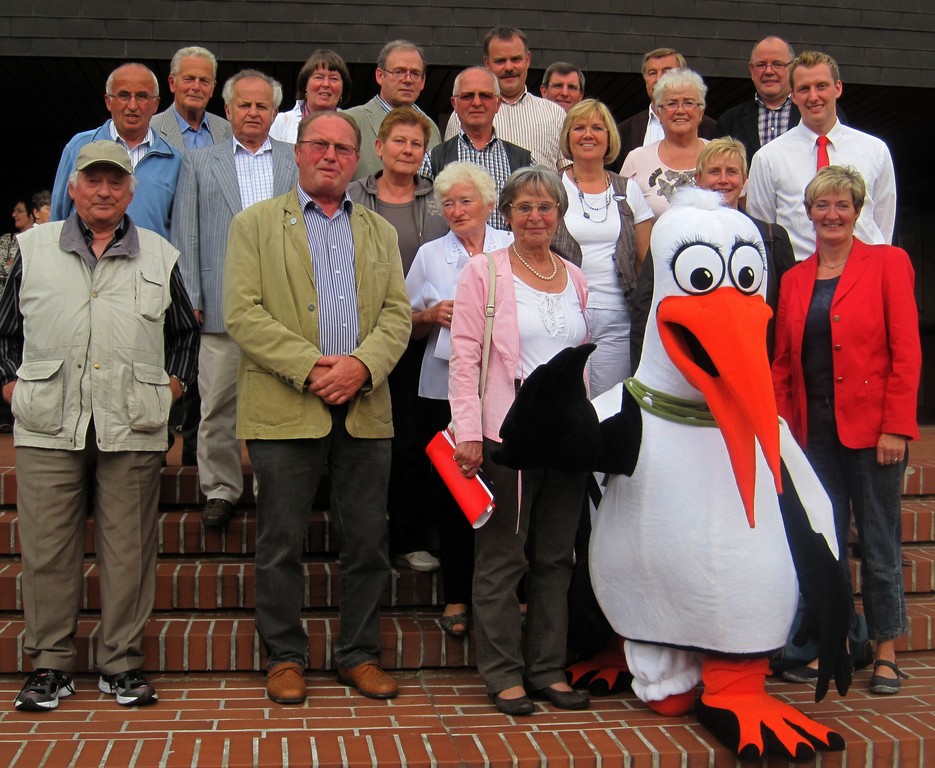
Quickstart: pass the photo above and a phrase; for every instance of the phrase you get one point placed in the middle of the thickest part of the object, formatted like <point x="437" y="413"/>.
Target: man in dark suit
<point x="186" y="124"/>
<point x="644" y="127"/>
<point x="770" y="113"/>
<point x="215" y="184"/>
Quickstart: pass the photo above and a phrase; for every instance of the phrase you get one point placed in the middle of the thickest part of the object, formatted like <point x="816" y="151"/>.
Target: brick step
<point x="441" y="719"/>
<point x="181" y="531"/>
<point x="212" y="585"/>
<point x="215" y="584"/>
<point x="410" y="639"/>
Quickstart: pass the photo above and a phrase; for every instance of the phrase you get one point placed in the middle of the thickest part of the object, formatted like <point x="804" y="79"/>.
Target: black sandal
<point x="448" y="624"/>
<point x="886" y="685"/>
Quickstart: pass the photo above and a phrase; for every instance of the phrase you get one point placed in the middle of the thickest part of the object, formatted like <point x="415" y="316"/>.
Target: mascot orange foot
<point x="736" y="708"/>
<point x="605" y="673"/>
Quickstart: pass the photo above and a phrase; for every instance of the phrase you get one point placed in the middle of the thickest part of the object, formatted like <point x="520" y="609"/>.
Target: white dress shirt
<point x="783" y="168"/>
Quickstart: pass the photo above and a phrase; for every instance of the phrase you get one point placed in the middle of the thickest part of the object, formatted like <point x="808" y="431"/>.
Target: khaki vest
<point x="93" y="345"/>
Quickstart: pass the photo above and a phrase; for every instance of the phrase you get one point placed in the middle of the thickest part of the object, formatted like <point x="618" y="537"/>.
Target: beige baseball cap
<point x="108" y="152"/>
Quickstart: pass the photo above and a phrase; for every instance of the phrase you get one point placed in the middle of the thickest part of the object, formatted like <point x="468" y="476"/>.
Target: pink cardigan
<point x="467" y="341"/>
<point x="875" y="341"/>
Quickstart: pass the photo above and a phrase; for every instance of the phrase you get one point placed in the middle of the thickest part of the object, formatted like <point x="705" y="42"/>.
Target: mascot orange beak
<point x="718" y="343"/>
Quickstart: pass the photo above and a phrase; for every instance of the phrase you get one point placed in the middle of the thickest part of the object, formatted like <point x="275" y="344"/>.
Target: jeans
<point x="289" y="472"/>
<point x="855" y="482"/>
<point x="609" y="364"/>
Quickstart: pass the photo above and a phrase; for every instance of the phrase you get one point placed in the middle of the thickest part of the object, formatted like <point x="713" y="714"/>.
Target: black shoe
<point x="803" y="674"/>
<point x="130" y="688"/>
<point x="43" y="689"/>
<point x="217" y="513"/>
<point x="563" y="699"/>
<point x="519" y="706"/>
<point x="886" y="685"/>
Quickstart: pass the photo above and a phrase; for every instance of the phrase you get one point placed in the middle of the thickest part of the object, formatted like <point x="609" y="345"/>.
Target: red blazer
<point x="875" y="341"/>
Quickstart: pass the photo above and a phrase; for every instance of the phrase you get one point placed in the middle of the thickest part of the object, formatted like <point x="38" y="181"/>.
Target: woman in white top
<point x="466" y="194"/>
<point x="323" y="82"/>
<point x="663" y="167"/>
<point x="605" y="231"/>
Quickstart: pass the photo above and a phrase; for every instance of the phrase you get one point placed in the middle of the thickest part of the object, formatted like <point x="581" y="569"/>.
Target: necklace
<point x="833" y="266"/>
<point x="534" y="271"/>
<point x="584" y="203"/>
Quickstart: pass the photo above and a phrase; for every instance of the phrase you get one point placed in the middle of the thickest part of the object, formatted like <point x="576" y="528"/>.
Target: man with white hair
<point x="97" y="340"/>
<point x="215" y="185"/>
<point x="187" y="124"/>
<point x="132" y="97"/>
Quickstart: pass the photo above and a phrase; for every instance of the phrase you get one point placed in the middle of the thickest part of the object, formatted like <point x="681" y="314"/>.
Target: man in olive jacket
<point x="314" y="296"/>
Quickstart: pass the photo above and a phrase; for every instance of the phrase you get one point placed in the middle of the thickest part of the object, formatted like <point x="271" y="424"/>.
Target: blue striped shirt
<point x="332" y="245"/>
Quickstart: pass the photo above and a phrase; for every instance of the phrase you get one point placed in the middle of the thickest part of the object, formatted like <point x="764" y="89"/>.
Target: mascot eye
<point x="747" y="270"/>
<point x="698" y="268"/>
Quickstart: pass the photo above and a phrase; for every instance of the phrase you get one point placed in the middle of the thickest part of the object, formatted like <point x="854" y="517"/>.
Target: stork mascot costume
<point x="712" y="520"/>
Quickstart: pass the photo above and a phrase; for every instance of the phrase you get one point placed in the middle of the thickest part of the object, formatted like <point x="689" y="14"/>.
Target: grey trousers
<point x="52" y="501"/>
<point x="548" y="519"/>
<point x="220" y="470"/>
<point x="288" y="473"/>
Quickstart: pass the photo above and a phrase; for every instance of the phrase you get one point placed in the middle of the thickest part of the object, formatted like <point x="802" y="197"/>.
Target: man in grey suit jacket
<point x="216" y="183"/>
<point x="401" y="77"/>
<point x="186" y="124"/>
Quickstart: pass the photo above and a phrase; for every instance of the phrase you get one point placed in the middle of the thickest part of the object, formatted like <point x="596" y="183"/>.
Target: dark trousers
<point x="544" y="531"/>
<point x="411" y="516"/>
<point x="288" y="473"/>
<point x="455" y="534"/>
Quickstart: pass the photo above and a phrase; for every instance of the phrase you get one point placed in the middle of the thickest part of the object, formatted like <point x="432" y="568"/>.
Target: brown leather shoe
<point x="217" y="513"/>
<point x="370" y="680"/>
<point x="285" y="683"/>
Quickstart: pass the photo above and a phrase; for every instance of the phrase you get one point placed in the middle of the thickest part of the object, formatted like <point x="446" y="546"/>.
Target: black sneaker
<point x="43" y="689"/>
<point x="130" y="688"/>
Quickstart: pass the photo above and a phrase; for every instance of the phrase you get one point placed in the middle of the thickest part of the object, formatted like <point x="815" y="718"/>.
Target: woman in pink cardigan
<point x="846" y="374"/>
<point x="539" y="310"/>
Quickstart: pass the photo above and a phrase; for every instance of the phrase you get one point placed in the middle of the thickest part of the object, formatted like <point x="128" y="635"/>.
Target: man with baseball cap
<point x="97" y="339"/>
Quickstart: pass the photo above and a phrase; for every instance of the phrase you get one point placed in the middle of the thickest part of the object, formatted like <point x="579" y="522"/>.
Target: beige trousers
<point x="54" y="489"/>
<point x="220" y="469"/>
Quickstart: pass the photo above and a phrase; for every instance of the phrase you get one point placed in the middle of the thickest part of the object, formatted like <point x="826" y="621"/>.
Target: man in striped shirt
<point x="216" y="183"/>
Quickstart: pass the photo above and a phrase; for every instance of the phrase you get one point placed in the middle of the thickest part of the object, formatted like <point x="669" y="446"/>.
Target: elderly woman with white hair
<point x="663" y="167"/>
<point x="466" y="195"/>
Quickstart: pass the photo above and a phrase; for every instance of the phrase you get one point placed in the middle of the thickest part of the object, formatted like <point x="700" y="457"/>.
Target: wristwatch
<point x="182" y="385"/>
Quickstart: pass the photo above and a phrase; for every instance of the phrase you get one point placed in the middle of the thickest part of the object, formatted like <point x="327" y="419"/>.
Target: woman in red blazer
<point x="846" y="375"/>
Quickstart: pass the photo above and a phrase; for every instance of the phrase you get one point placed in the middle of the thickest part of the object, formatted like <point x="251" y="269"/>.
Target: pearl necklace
<point x="535" y="271"/>
<point x="584" y="203"/>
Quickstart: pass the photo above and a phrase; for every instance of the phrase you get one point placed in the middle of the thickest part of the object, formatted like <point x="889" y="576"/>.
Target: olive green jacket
<point x="271" y="311"/>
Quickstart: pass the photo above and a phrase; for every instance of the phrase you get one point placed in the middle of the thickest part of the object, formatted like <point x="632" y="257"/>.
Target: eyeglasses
<point x="562" y="86"/>
<point x="525" y="209"/>
<point x="779" y="66"/>
<point x="125" y="97"/>
<point x="467" y="97"/>
<point x="687" y="105"/>
<point x="318" y="147"/>
<point x="320" y="78"/>
<point x="399" y="74"/>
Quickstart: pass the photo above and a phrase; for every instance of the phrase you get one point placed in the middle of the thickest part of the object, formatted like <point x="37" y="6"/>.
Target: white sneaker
<point x="421" y="561"/>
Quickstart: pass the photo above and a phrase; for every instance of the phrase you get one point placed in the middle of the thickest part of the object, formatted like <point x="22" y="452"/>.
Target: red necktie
<point x="823" y="161"/>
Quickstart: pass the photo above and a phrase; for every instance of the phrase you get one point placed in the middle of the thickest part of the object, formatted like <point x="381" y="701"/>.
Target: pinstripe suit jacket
<point x="206" y="200"/>
<point x="167" y="126"/>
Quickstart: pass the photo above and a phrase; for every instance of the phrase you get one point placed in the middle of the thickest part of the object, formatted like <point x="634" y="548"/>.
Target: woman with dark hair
<point x="404" y="198"/>
<point x="323" y="82"/>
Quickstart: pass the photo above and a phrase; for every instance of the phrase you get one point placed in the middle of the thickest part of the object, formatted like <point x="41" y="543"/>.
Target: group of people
<point x="334" y="287"/>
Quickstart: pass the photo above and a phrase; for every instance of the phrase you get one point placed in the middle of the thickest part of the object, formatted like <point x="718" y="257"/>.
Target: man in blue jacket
<point x="132" y="98"/>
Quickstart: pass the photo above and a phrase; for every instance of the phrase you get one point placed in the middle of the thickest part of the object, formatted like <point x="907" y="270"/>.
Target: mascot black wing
<point x="693" y="558"/>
